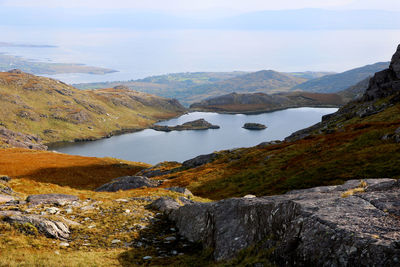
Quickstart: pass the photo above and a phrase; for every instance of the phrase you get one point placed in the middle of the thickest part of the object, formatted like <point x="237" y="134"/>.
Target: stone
<point x="170" y="238"/>
<point x="52" y="210"/>
<point x="115" y="241"/>
<point x="53" y="199"/>
<point x="147" y="257"/>
<point x="249" y="196"/>
<point x="165" y="205"/>
<point x="49" y="227"/>
<point x="181" y="190"/>
<point x="199" y="160"/>
<point x="64" y="244"/>
<point x="311" y="227"/>
<point x="5" y="178"/>
<point x="6" y="198"/>
<point x="127" y="183"/>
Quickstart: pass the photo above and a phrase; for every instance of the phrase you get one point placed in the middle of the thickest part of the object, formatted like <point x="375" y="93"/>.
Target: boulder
<point x="312" y="227"/>
<point x="199" y="160"/>
<point x="181" y="190"/>
<point x="52" y="199"/>
<point x="5" y="198"/>
<point x="48" y="227"/>
<point x="127" y="183"/>
<point x="5" y="178"/>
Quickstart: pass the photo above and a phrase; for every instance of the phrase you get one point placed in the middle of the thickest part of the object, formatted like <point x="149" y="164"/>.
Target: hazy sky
<point x="196" y="5"/>
<point x="146" y="37"/>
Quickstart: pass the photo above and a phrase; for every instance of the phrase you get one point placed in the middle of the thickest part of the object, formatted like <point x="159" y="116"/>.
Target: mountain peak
<point x="395" y="63"/>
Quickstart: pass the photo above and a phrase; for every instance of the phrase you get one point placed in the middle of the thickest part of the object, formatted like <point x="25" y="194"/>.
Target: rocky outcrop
<point x="386" y="82"/>
<point x="53" y="199"/>
<point x="200" y="124"/>
<point x="49" y="227"/>
<point x="254" y="126"/>
<point x="181" y="190"/>
<point x="199" y="160"/>
<point x="15" y="139"/>
<point x="127" y="183"/>
<point x="355" y="224"/>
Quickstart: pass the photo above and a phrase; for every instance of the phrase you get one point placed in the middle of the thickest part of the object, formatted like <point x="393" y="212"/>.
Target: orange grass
<point x="64" y="170"/>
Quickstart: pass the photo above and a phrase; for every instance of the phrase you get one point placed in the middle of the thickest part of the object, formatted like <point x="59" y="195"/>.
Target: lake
<point x="152" y="146"/>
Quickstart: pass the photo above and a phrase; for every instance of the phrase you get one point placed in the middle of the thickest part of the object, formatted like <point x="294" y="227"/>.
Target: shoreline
<point x="58" y="144"/>
<point x="256" y="112"/>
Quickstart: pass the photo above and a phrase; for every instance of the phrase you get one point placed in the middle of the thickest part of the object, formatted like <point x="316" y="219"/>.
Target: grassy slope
<point x="58" y="112"/>
<point x="41" y="172"/>
<point x="354" y="150"/>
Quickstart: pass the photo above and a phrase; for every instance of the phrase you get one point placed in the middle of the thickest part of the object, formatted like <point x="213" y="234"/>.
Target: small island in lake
<point x="200" y="124"/>
<point x="254" y="126"/>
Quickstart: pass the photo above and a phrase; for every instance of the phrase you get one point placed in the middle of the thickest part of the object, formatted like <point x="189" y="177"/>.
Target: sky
<point x="196" y="5"/>
<point x="149" y="37"/>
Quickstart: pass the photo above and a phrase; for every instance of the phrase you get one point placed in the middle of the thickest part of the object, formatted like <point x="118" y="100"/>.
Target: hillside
<point x="173" y="85"/>
<point x="195" y="86"/>
<point x="260" y="81"/>
<point x="341" y="81"/>
<point x="260" y="102"/>
<point x="360" y="140"/>
<point x="52" y="111"/>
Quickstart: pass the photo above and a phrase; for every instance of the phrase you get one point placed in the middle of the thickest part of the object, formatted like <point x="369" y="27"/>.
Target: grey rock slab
<point x="312" y="227"/>
<point x="53" y="199"/>
<point x="48" y="227"/>
<point x="127" y="183"/>
<point x="6" y="198"/>
<point x="181" y="190"/>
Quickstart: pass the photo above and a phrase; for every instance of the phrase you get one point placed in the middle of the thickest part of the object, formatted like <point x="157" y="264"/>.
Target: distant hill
<point x="341" y="81"/>
<point x="311" y="74"/>
<point x="260" y="102"/>
<point x="54" y="111"/>
<point x="193" y="87"/>
<point x="266" y="81"/>
<point x="175" y="85"/>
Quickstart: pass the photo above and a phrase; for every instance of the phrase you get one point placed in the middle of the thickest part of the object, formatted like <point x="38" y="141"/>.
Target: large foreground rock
<point x="312" y="227"/>
<point x="50" y="228"/>
<point x="127" y="183"/>
<point x="52" y="199"/>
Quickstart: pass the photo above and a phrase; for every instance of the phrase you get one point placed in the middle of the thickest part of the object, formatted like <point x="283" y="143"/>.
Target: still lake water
<point x="152" y="147"/>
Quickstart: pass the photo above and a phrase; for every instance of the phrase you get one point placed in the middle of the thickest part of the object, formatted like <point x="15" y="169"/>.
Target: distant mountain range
<point x="338" y="82"/>
<point x="194" y="87"/>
